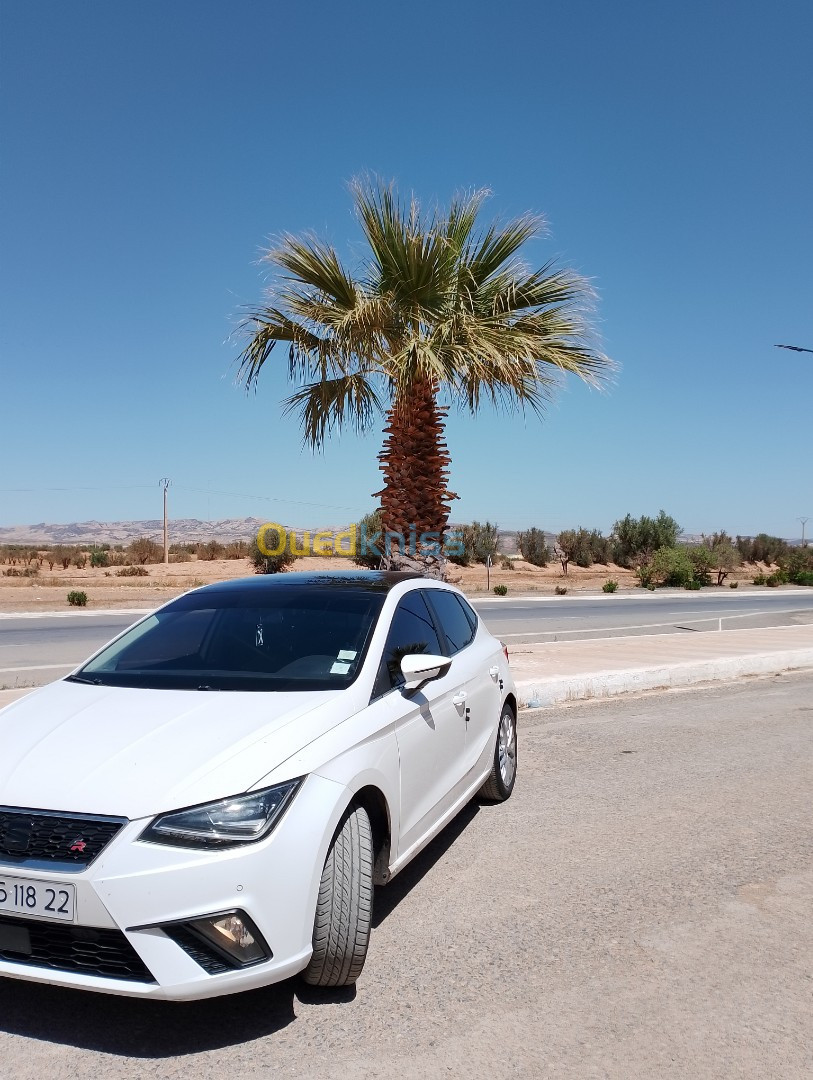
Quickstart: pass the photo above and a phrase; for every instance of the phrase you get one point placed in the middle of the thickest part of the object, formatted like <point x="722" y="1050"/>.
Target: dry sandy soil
<point x="49" y="590"/>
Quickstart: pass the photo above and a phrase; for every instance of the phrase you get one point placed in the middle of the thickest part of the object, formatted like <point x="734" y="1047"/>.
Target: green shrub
<point x="693" y="585"/>
<point x="609" y="586"/>
<point x="797" y="565"/>
<point x="672" y="566"/>
<point x="500" y="590"/>
<point x="271" y="564"/>
<point x="99" y="557"/>
<point x="635" y="539"/>
<point x="733" y="584"/>
<point x="560" y="590"/>
<point x="506" y="563"/>
<point x="760" y="579"/>
<point x="211" y="550"/>
<point x="772" y="582"/>
<point x="479" y="542"/>
<point x="532" y="547"/>
<point x="77" y="599"/>
<point x="133" y="571"/>
<point x="703" y="560"/>
<point x="369" y="527"/>
<point x="144" y="550"/>
<point x="763" y="548"/>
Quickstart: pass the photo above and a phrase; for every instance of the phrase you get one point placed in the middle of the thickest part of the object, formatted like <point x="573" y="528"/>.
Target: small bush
<point x="77" y="599"/>
<point x="774" y="581"/>
<point x="99" y="557"/>
<point x="368" y="532"/>
<point x="31" y="571"/>
<point x="733" y="584"/>
<point x="609" y="586"/>
<point x="760" y="579"/>
<point x="693" y="586"/>
<point x="479" y="542"/>
<point x="133" y="571"/>
<point x="560" y="590"/>
<point x="271" y="564"/>
<point x="803" y="577"/>
<point x="144" y="550"/>
<point x="500" y="590"/>
<point x="506" y="563"/>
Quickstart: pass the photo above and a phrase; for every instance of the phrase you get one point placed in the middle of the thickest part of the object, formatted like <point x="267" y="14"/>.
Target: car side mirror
<point x="418" y="668"/>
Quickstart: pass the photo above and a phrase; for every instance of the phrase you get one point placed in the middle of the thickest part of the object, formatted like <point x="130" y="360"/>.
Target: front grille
<point x="28" y="836"/>
<point x="83" y="949"/>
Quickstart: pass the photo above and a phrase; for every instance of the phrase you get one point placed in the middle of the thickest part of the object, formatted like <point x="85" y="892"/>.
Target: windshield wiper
<point x="79" y="678"/>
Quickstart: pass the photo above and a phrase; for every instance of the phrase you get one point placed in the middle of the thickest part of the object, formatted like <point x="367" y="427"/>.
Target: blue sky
<point x="151" y="149"/>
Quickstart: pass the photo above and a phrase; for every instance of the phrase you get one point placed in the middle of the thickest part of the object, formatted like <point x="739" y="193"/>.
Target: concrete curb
<point x="604" y="684"/>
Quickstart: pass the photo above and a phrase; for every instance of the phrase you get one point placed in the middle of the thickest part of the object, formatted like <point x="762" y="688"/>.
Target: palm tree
<point x="439" y="310"/>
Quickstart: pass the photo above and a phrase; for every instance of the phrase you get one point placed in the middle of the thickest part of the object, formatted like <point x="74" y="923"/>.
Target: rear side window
<point x="454" y="620"/>
<point x="412" y="631"/>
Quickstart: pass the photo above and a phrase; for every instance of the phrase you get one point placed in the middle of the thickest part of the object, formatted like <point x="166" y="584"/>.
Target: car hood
<point x="135" y="753"/>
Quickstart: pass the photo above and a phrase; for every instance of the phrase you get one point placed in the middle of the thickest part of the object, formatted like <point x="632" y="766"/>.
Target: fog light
<point x="234" y="936"/>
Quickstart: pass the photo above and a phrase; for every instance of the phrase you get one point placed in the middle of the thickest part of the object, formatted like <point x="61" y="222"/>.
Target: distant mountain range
<point x="181" y="531"/>
<point x="192" y="530"/>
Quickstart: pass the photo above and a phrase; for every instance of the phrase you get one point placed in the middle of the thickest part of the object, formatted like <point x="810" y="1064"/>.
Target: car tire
<point x="503" y="776"/>
<point x="344" y="909"/>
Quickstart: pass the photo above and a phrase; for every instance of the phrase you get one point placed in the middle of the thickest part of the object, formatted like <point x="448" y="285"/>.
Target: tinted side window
<point x="456" y="626"/>
<point x="412" y="631"/>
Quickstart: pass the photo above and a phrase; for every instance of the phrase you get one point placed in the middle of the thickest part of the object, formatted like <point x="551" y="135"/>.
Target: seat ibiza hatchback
<point x="206" y="805"/>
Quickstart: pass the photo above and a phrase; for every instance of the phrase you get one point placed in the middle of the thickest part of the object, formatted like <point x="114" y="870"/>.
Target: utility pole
<point x="164" y="482"/>
<point x="804" y="522"/>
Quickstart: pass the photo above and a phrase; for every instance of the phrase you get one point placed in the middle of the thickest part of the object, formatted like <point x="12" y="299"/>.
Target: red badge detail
<point x="78" y="845"/>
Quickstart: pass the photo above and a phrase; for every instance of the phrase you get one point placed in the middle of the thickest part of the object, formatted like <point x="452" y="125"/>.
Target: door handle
<point x="494" y="672"/>
<point x="459" y="698"/>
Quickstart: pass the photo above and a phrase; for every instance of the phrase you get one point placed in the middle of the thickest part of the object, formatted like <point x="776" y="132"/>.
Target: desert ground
<point x="48" y="591"/>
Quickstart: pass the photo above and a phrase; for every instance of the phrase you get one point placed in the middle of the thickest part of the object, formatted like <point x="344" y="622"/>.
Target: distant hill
<point x="193" y="530"/>
<point x="181" y="531"/>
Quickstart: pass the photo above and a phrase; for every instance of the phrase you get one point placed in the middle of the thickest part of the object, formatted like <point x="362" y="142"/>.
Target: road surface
<point x="640" y="908"/>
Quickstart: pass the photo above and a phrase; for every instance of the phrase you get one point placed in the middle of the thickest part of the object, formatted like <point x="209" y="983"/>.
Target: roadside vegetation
<point x="647" y="549"/>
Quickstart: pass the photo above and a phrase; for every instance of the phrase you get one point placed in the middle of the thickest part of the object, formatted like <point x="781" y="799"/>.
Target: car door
<point x="476" y="670"/>
<point x="430" y="730"/>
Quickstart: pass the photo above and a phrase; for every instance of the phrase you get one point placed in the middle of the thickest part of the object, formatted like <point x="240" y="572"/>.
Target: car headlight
<point x="239" y="820"/>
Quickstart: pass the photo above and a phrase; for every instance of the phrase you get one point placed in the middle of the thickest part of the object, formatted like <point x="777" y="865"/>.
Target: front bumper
<point x="132" y="889"/>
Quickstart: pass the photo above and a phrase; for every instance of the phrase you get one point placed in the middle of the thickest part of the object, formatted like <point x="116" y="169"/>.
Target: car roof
<point x="377" y="580"/>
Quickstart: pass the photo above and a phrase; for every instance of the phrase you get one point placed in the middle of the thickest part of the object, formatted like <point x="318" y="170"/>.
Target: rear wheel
<point x="341" y="928"/>
<point x="500" y="783"/>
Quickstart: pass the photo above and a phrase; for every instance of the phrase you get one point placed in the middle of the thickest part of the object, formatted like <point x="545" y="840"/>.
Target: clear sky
<point x="150" y="149"/>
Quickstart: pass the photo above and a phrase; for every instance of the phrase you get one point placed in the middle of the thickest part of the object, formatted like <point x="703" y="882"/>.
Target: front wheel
<point x="344" y="909"/>
<point x="503" y="776"/>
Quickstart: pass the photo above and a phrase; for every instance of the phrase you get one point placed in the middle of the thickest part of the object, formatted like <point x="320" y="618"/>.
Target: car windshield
<point x="291" y="638"/>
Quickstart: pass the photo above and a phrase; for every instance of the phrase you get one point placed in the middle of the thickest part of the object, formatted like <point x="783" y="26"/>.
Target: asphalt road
<point x="35" y="650"/>
<point x="663" y="612"/>
<point x="640" y="908"/>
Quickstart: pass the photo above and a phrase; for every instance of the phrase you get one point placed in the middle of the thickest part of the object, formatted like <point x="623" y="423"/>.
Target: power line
<point x="265" y="498"/>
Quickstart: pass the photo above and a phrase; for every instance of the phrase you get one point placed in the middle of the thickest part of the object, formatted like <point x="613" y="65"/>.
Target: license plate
<point x="44" y="899"/>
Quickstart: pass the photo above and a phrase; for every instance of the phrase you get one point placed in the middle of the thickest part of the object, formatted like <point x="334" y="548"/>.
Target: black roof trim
<point x="380" y="579"/>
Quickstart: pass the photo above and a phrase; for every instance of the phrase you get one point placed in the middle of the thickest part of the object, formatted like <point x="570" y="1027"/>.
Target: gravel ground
<point x="640" y="908"/>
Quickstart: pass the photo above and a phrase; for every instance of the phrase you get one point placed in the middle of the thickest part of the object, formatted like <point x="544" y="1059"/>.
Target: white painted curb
<point x="604" y="684"/>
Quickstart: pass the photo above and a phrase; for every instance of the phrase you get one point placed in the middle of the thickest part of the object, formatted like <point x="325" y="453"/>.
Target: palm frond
<point x="330" y="404"/>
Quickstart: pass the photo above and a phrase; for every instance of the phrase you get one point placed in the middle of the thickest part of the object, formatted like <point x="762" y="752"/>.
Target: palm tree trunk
<point x="415" y="464"/>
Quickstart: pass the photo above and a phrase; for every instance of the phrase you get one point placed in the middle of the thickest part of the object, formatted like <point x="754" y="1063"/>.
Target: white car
<point x="205" y="805"/>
